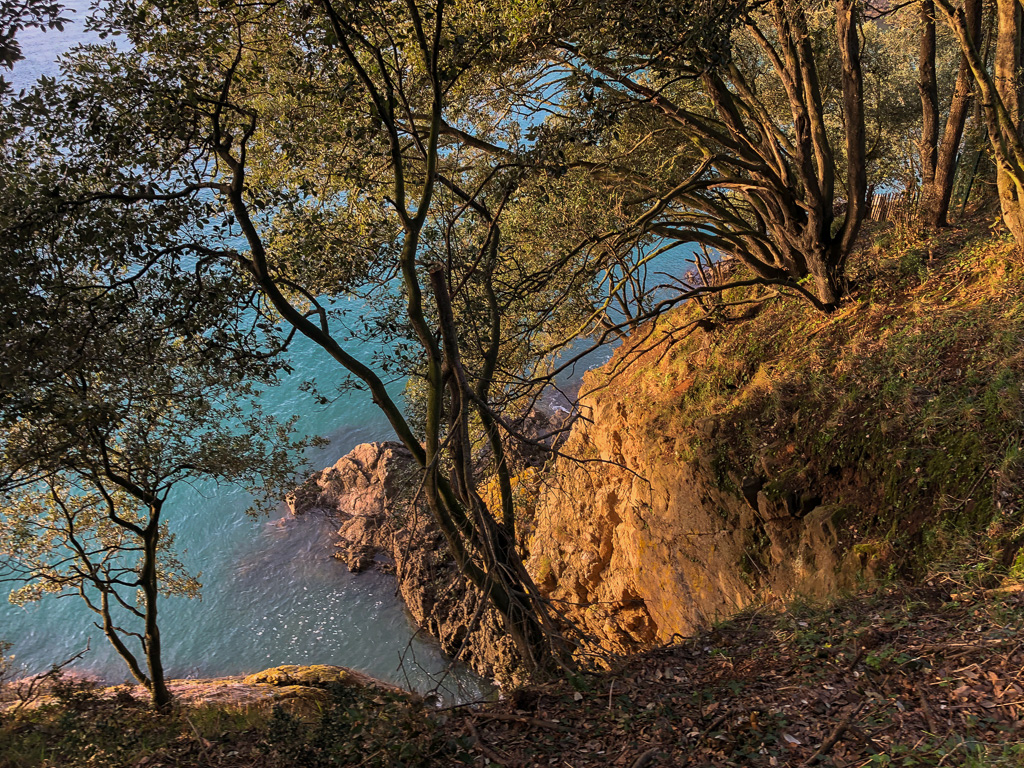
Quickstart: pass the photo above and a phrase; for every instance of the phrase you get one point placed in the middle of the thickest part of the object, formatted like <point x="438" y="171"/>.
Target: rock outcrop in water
<point x="363" y="489"/>
<point x="317" y="676"/>
<point x="372" y="490"/>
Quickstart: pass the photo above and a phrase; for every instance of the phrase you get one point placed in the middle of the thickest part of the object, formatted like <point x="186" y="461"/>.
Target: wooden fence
<point x="894" y="206"/>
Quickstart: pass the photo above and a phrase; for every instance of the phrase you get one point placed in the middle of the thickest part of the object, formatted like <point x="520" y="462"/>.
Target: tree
<point x="939" y="159"/>
<point x="1002" y="99"/>
<point x="353" y="148"/>
<point x="317" y="132"/>
<point x="756" y="171"/>
<point x="18" y="15"/>
<point x="127" y="361"/>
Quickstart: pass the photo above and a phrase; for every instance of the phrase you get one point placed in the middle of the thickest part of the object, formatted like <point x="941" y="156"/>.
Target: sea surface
<point x="272" y="594"/>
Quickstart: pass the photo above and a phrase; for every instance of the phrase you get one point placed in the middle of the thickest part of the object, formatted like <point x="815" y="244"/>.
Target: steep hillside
<point x="763" y="450"/>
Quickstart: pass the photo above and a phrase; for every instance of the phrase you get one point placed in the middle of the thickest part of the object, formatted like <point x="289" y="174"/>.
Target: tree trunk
<point x="1000" y="96"/>
<point x="856" y="142"/>
<point x="828" y="281"/>
<point x="504" y="579"/>
<point x="929" y="88"/>
<point x="150" y="589"/>
<point x="937" y="187"/>
<point x="1010" y="179"/>
<point x="111" y="632"/>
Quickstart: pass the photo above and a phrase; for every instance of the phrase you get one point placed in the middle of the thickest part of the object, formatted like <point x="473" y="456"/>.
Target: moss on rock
<point x="296" y="674"/>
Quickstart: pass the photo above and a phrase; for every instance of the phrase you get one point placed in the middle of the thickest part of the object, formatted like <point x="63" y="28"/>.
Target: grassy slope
<point x="903" y="409"/>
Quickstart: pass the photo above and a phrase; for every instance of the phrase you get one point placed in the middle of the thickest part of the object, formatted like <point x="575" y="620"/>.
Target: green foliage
<point x="131" y="365"/>
<point x="469" y="170"/>
<point x="78" y="725"/>
<point x="16" y="17"/>
<point x="109" y="408"/>
<point x="342" y="150"/>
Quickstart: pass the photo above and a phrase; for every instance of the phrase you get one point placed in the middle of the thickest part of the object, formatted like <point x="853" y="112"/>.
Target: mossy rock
<point x="296" y="674"/>
<point x="317" y="676"/>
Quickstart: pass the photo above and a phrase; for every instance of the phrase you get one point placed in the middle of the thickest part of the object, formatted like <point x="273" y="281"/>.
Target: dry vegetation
<point x="907" y="677"/>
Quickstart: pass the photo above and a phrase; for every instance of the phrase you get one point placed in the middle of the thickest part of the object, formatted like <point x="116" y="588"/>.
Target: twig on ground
<point x="535" y="721"/>
<point x="26" y="693"/>
<point x="204" y="744"/>
<point x="834" y="737"/>
<point x="715" y="723"/>
<point x="487" y="752"/>
<point x="645" y="759"/>
<point x="932" y="726"/>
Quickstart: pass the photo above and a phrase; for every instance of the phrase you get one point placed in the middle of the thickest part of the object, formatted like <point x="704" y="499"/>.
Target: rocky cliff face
<point x="751" y="449"/>
<point x="631" y="542"/>
<point x="752" y="452"/>
<point x="638" y="545"/>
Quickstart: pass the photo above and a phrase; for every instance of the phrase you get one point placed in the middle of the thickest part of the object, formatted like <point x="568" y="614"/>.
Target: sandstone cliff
<point x="752" y="449"/>
<point x="637" y="545"/>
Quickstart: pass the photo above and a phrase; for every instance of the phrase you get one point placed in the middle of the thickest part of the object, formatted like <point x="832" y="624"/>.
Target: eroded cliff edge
<point x="751" y="450"/>
<point x="746" y="451"/>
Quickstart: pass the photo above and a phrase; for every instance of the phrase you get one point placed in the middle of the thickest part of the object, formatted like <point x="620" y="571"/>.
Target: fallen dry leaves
<point x="895" y="678"/>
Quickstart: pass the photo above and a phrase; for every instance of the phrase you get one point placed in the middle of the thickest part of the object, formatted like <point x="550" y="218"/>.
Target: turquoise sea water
<point x="272" y="593"/>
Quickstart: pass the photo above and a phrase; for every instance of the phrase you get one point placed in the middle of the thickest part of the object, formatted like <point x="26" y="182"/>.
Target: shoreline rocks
<point x="360" y="489"/>
<point x="298" y="688"/>
<point x="372" y="492"/>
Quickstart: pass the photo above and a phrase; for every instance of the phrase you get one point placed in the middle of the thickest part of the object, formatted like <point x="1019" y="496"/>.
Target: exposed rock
<point x="363" y="483"/>
<point x="634" y="548"/>
<point x="750" y="488"/>
<point x="362" y="489"/>
<point x="316" y="675"/>
<point x="300" y="700"/>
<point x="300" y="688"/>
<point x="536" y="434"/>
<point x="639" y="547"/>
<point x="371" y="492"/>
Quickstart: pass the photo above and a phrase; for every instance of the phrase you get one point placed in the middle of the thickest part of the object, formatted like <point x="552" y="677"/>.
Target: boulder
<point x="363" y="483"/>
<point x="316" y="676"/>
